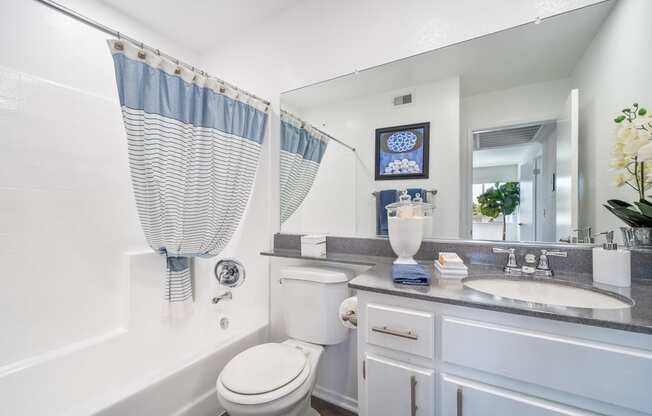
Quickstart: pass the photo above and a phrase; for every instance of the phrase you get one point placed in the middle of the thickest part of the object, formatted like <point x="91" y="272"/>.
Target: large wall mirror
<point x="512" y="136"/>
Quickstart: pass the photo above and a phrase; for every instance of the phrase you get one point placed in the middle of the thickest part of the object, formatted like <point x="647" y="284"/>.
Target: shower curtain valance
<point x="194" y="146"/>
<point x="302" y="149"/>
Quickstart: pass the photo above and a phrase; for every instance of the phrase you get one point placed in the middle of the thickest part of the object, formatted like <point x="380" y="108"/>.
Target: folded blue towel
<point x="383" y="198"/>
<point x="411" y="274"/>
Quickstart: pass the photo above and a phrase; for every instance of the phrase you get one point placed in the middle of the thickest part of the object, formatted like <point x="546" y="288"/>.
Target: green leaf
<point x="631" y="217"/>
<point x="619" y="119"/>
<point x="642" y="112"/>
<point x="645" y="208"/>
<point x="500" y="199"/>
<point x="616" y="203"/>
<point x="622" y="217"/>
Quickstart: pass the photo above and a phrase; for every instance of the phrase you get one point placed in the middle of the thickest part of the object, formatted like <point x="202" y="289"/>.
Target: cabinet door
<point x="398" y="389"/>
<point x="463" y="397"/>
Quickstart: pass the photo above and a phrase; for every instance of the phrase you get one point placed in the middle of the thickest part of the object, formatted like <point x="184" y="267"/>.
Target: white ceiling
<point x="198" y="24"/>
<point x="523" y="55"/>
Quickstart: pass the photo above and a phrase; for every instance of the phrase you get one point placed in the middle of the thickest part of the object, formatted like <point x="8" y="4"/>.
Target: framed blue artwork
<point x="402" y="152"/>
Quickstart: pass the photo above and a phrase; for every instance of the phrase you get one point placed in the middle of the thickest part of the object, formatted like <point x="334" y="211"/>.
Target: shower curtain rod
<point x="320" y="131"/>
<point x="102" y="28"/>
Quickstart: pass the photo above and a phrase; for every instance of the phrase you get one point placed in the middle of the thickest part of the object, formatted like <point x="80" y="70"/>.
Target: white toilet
<point x="278" y="378"/>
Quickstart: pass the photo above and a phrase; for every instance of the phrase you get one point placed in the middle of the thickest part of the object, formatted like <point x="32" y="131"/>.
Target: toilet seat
<point x="263" y="373"/>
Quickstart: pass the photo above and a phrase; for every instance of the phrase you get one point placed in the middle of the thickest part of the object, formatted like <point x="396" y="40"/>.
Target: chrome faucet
<point x="543" y="268"/>
<point x="224" y="296"/>
<point x="511" y="266"/>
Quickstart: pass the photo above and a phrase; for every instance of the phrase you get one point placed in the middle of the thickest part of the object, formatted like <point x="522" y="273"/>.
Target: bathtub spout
<point x="225" y="296"/>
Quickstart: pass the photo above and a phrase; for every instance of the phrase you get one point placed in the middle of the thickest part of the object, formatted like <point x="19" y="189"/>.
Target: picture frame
<point x="402" y="152"/>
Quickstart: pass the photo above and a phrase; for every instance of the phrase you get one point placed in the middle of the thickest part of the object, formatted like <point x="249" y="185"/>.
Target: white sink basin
<point x="548" y="293"/>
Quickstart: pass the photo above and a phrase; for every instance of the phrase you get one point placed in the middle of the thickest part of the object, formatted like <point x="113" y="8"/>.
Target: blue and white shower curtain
<point x="302" y="149"/>
<point x="194" y="146"/>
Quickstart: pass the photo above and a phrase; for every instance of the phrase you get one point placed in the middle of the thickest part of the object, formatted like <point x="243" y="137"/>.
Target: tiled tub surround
<point x="576" y="268"/>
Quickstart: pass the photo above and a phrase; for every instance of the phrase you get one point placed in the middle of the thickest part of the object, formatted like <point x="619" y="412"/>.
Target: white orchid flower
<point x="618" y="163"/>
<point x="633" y="146"/>
<point x="620" y="180"/>
<point x="645" y="152"/>
<point x="626" y="134"/>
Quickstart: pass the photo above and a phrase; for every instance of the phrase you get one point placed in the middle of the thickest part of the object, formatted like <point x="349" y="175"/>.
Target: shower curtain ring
<point x="141" y="53"/>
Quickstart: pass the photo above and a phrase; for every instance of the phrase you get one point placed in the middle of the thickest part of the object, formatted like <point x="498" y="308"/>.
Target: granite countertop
<point x="377" y="278"/>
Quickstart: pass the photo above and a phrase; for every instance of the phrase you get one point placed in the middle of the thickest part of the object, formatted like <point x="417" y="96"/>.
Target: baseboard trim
<point x="338" y="399"/>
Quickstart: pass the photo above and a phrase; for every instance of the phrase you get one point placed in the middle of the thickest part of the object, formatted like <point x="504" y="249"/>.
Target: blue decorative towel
<point x="413" y="191"/>
<point x="383" y="198"/>
<point x="411" y="274"/>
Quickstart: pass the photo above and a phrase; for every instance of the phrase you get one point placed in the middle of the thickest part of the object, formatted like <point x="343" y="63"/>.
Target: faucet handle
<point x="512" y="265"/>
<point x="503" y="250"/>
<point x="545" y="252"/>
<point x="543" y="268"/>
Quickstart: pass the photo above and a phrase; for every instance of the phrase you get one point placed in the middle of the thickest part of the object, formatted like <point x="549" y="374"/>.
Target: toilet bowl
<point x="274" y="379"/>
<point x="277" y="379"/>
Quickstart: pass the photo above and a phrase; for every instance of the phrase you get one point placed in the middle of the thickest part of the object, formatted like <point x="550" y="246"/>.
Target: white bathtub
<point x="153" y="368"/>
<point x="117" y="377"/>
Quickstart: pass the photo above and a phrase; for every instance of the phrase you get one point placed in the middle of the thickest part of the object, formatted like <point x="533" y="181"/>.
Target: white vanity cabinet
<point x="461" y="396"/>
<point x="422" y="358"/>
<point x="396" y="388"/>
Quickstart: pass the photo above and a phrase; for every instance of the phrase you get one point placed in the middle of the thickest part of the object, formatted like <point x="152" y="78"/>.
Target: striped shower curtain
<point x="302" y="149"/>
<point x="194" y="146"/>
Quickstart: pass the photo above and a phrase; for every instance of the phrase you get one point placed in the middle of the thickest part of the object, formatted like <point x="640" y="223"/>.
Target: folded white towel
<point x="450" y="259"/>
<point x="449" y="266"/>
<point x="447" y="272"/>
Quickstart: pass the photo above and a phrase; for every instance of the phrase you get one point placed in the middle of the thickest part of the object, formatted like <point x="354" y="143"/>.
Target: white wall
<point x="355" y="122"/>
<point x="317" y="40"/>
<point x="67" y="211"/>
<point x="610" y="77"/>
<point x="525" y="103"/>
<point x="67" y="214"/>
<point x="492" y="174"/>
<point x="330" y="206"/>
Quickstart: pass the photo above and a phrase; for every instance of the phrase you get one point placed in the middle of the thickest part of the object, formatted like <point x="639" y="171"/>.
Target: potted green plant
<point x="632" y="159"/>
<point x="500" y="200"/>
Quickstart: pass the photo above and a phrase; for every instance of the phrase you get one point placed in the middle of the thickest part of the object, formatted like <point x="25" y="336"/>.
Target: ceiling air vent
<point x="403" y="99"/>
<point x="505" y="137"/>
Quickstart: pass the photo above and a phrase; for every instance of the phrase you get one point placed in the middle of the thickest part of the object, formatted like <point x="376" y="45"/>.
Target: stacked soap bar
<point x="450" y="265"/>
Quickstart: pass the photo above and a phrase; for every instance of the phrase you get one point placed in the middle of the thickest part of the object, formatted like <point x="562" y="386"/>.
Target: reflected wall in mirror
<point x="522" y="132"/>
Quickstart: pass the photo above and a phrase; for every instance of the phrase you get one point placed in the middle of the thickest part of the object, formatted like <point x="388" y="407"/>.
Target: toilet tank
<point x="311" y="298"/>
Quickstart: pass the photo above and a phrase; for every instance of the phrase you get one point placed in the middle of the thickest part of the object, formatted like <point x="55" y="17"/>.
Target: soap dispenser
<point x="612" y="265"/>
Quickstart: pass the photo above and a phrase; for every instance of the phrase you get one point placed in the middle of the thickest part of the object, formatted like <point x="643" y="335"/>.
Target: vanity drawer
<point x="401" y="329"/>
<point x="606" y="372"/>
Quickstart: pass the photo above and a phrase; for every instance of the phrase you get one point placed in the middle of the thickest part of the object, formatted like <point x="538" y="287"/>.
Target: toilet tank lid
<point x="316" y="274"/>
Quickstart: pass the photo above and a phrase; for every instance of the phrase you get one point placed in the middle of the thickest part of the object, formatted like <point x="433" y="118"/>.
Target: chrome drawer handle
<point x="413" y="396"/>
<point x="460" y="411"/>
<point x="393" y="332"/>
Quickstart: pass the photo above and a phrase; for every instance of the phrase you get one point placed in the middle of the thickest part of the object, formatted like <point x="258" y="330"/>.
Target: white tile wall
<point x="66" y="215"/>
